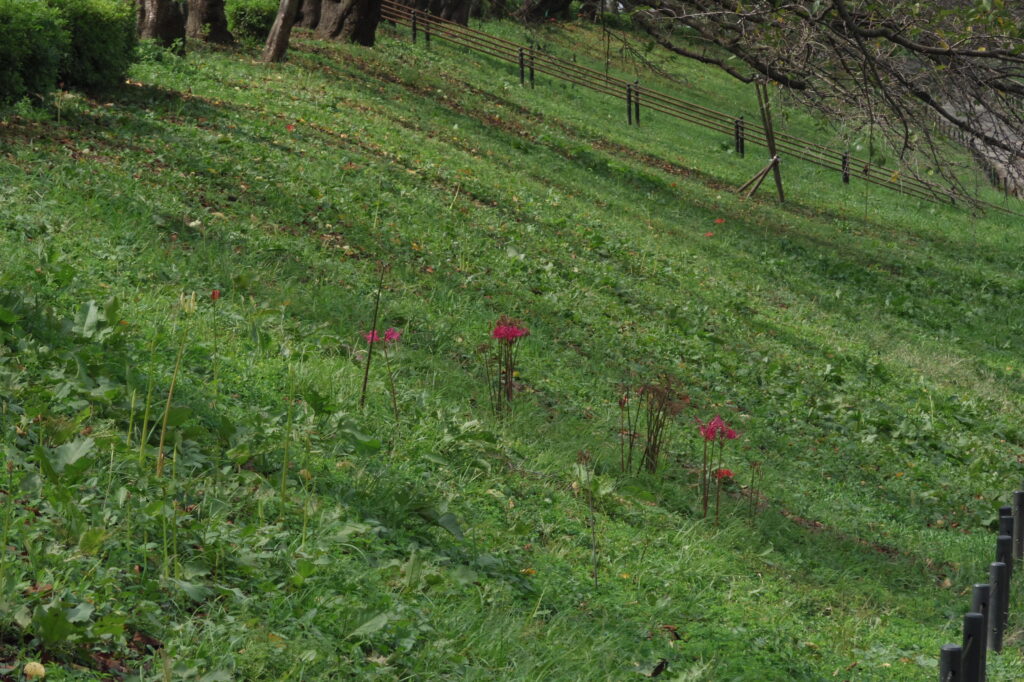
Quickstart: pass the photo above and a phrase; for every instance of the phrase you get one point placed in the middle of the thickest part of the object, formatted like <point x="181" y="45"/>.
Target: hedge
<point x="103" y="41"/>
<point x="32" y="44"/>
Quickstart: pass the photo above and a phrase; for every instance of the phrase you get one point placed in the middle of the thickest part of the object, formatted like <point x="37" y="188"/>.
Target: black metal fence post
<point x="1004" y="553"/>
<point x="1018" y="525"/>
<point x="998" y="601"/>
<point x="522" y="67"/>
<point x="974" y="642"/>
<point x="426" y="32"/>
<point x="738" y="133"/>
<point x="980" y="603"/>
<point x="950" y="659"/>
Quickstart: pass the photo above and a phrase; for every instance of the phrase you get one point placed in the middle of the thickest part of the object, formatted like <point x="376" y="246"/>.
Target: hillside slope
<point x="866" y="348"/>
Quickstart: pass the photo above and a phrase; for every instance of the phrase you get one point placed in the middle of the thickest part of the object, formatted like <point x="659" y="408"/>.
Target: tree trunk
<point x="206" y="21"/>
<point x="453" y="10"/>
<point x="309" y="14"/>
<point x="536" y="11"/>
<point x="349" y="20"/>
<point x="281" y="31"/>
<point x="162" y="21"/>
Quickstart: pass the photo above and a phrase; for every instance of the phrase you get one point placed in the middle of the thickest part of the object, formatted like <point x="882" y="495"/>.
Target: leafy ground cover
<point x="866" y="348"/>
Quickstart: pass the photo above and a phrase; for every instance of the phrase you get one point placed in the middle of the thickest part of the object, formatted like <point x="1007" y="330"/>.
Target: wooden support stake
<point x="846" y="168"/>
<point x="414" y="14"/>
<point x="769" y="133"/>
<point x="738" y="134"/>
<point x="522" y="67"/>
<point x="629" y="104"/>
<point x="755" y="182"/>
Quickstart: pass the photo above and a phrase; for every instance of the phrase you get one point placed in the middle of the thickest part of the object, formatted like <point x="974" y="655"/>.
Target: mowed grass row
<point x="867" y="349"/>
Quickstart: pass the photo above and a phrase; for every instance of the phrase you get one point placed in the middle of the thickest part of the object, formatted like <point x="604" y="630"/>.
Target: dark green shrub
<point x="32" y="42"/>
<point x="102" y="41"/>
<point x="251" y="18"/>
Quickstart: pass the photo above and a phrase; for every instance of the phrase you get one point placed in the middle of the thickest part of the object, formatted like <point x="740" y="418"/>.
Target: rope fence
<point x="530" y="60"/>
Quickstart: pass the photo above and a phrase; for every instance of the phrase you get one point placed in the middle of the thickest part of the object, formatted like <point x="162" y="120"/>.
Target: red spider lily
<point x="392" y="335"/>
<point x="711" y="430"/>
<point x="290" y="128"/>
<point x="508" y="332"/>
<point x="719" y="221"/>
<point x="215" y="294"/>
<point x="723" y="474"/>
<point x="372" y="336"/>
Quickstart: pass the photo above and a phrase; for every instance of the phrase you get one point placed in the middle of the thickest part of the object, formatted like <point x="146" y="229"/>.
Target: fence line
<point x="531" y="60"/>
<point x="985" y="623"/>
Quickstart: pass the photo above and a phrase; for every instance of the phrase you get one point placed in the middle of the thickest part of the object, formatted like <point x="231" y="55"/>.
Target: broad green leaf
<point x="216" y="676"/>
<point x="371" y="626"/>
<point x="87" y="319"/>
<point x="51" y="624"/>
<point x="195" y="591"/>
<point x="7" y="317"/>
<point x="111" y="625"/>
<point x="92" y="540"/>
<point x="177" y="415"/>
<point x="80" y="613"/>
<point x="68" y="454"/>
<point x="450" y="524"/>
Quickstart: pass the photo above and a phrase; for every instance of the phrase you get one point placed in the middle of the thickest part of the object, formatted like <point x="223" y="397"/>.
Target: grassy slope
<point x="867" y="347"/>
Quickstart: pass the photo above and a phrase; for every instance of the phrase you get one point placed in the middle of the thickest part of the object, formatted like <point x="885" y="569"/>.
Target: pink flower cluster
<point x="716" y="428"/>
<point x="390" y="336"/>
<point x="508" y="332"/>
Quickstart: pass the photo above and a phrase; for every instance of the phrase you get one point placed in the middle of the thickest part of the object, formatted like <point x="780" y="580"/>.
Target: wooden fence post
<point x="629" y="104"/>
<point x="636" y="102"/>
<point x="522" y="67"/>
<point x="414" y="13"/>
<point x="531" y="66"/>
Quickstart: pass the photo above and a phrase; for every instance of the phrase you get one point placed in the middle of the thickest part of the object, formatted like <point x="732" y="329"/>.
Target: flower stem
<point x="373" y="330"/>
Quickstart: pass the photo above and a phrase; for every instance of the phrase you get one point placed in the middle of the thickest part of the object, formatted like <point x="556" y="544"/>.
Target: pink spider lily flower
<point x="392" y="335"/>
<point x="372" y="336"/>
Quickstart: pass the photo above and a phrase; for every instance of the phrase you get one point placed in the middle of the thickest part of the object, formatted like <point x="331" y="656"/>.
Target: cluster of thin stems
<point x="649" y="408"/>
<point x="500" y="361"/>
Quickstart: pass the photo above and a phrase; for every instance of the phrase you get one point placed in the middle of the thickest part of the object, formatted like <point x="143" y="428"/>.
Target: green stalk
<point x="373" y="330"/>
<point x="288" y="436"/>
<point x="143" y="435"/>
<point x="167" y="409"/>
<point x="391" y="381"/>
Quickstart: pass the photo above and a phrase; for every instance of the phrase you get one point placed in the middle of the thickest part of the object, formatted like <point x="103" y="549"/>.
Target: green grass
<point x="866" y="346"/>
